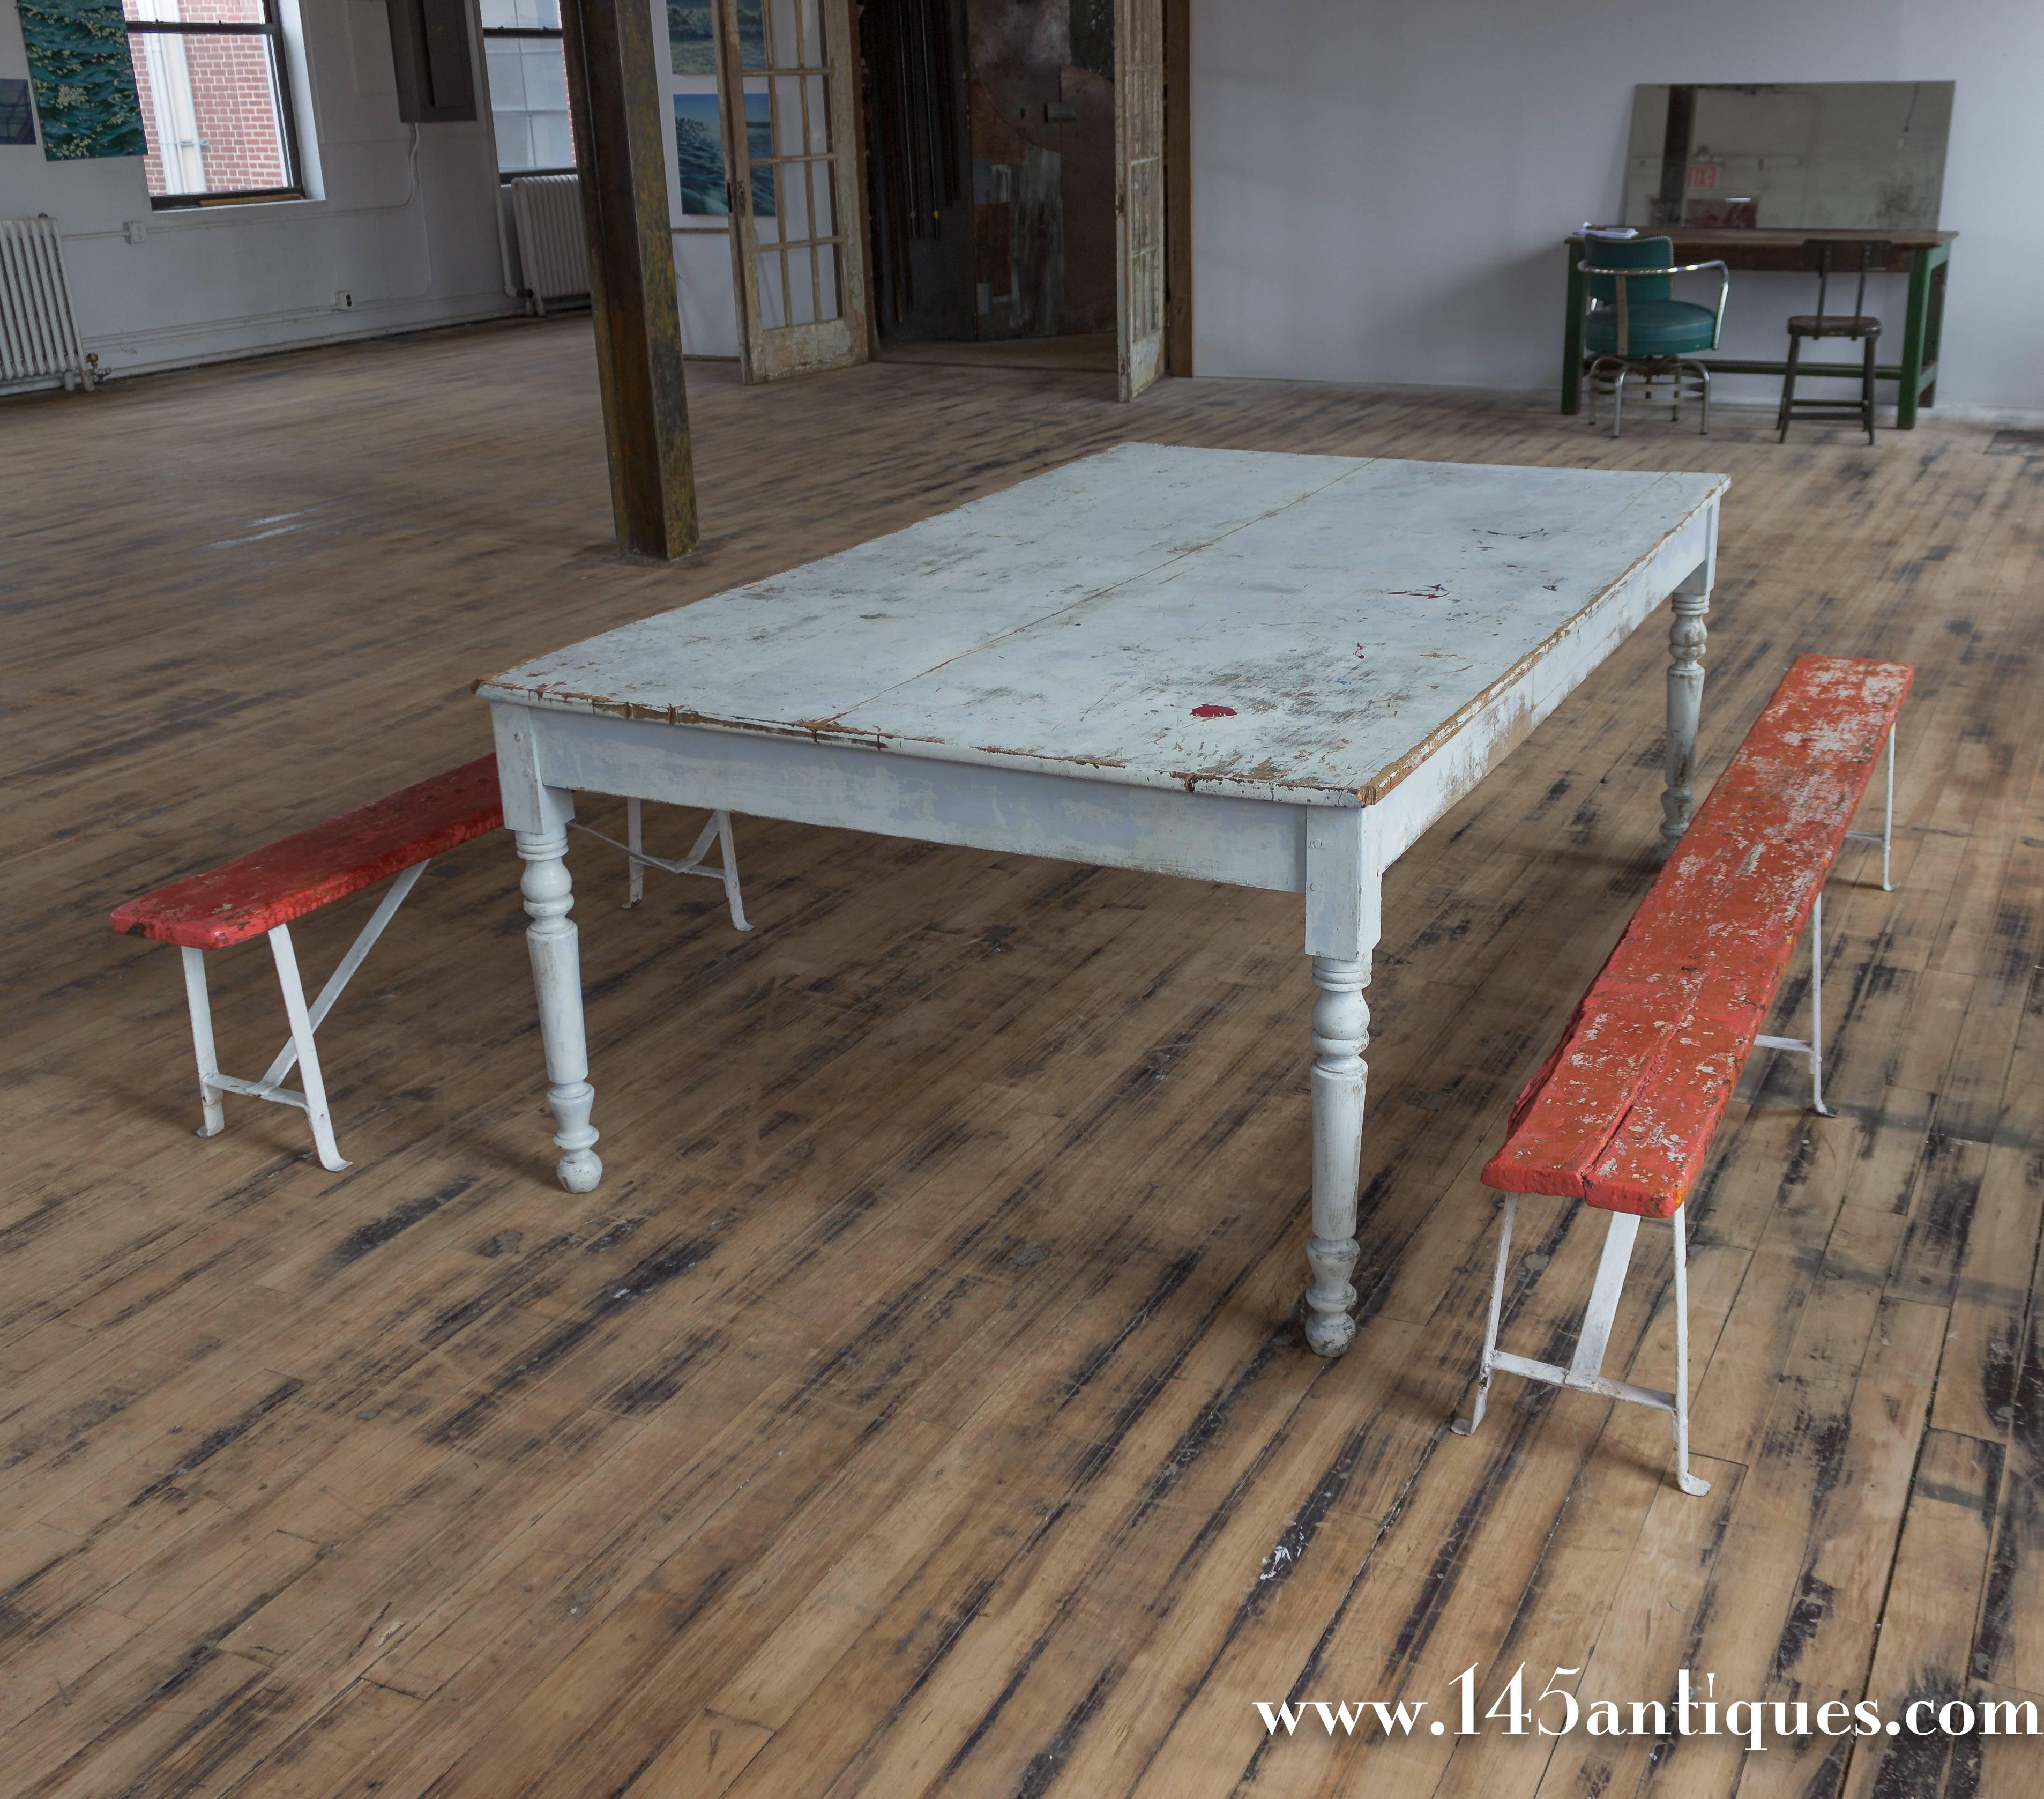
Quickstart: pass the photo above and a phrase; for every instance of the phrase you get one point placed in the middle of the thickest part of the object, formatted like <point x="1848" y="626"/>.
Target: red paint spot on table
<point x="1210" y="710"/>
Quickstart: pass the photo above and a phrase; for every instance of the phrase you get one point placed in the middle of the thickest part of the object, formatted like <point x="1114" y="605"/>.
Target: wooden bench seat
<point x="1621" y="1115"/>
<point x="260" y="894"/>
<point x="297" y="875"/>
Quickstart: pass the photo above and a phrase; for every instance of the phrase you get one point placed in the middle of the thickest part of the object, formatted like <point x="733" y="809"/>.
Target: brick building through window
<point x="211" y="75"/>
<point x="529" y="87"/>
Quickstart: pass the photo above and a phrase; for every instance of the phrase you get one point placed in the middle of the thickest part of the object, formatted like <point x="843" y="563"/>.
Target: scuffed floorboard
<point x="917" y="1407"/>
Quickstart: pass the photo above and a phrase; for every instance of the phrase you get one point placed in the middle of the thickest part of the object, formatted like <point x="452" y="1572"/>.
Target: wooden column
<point x="1178" y="186"/>
<point x="621" y="150"/>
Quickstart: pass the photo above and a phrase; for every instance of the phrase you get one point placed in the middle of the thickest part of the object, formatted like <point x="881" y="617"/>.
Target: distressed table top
<point x="1295" y="628"/>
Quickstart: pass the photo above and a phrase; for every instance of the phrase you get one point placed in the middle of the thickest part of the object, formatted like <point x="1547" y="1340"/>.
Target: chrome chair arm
<point x="1717" y="313"/>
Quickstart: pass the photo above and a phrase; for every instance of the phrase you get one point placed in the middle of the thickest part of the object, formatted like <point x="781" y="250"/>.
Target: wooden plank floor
<point x="918" y="1408"/>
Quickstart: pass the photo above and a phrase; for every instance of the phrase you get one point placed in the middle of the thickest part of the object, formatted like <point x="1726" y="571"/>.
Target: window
<point x="216" y="110"/>
<point x="529" y="87"/>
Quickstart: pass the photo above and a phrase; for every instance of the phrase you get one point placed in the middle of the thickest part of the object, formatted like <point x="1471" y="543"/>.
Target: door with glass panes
<point x="785" y="75"/>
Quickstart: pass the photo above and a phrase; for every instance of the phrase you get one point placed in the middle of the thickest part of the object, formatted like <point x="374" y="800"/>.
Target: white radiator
<point x="38" y="332"/>
<point x="552" y="252"/>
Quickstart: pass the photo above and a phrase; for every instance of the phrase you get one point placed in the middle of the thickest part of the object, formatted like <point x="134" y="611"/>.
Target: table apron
<point x="1244" y="843"/>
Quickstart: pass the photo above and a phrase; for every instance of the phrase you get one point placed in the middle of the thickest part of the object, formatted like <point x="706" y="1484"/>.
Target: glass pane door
<point x="796" y="242"/>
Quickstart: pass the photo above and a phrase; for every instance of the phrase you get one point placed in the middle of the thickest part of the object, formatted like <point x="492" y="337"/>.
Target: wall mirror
<point x="1837" y="156"/>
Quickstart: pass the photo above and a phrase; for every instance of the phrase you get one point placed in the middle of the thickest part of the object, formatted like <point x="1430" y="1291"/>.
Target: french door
<point x="786" y="82"/>
<point x="1139" y="192"/>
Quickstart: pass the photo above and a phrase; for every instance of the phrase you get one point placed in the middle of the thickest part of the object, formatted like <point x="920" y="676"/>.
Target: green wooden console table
<point x="1926" y="255"/>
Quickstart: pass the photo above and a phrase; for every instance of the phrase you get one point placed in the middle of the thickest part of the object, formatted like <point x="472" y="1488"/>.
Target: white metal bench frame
<point x="1584" y="1371"/>
<point x="725" y="870"/>
<point x="301" y="1050"/>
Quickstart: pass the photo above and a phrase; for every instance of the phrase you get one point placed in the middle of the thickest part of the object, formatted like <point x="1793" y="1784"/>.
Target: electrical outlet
<point x="137" y="231"/>
<point x="343" y="301"/>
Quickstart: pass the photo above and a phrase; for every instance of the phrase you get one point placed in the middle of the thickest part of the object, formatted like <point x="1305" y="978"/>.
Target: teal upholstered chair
<point x="1637" y="330"/>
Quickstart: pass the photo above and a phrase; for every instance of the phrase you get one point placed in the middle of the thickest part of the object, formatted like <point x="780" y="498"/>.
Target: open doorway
<point x="990" y="141"/>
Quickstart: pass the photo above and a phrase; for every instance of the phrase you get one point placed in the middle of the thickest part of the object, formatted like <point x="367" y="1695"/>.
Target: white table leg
<point x="1686" y="638"/>
<point x="1344" y="905"/>
<point x="557" y="980"/>
<point x="1341" y="1033"/>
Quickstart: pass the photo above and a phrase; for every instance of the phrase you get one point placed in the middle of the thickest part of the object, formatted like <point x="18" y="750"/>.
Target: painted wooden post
<point x="1178" y="186"/>
<point x="620" y="139"/>
<point x="557" y="980"/>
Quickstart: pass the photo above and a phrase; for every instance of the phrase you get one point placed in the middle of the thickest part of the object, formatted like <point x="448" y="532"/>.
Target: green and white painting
<point x="692" y="36"/>
<point x="84" y="81"/>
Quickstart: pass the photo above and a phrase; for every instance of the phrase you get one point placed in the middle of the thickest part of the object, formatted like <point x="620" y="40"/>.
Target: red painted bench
<point x="260" y="894"/>
<point x="1621" y="1115"/>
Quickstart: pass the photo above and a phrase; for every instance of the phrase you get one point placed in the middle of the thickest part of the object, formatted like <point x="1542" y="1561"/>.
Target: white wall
<point x="1380" y="186"/>
<point x="413" y="245"/>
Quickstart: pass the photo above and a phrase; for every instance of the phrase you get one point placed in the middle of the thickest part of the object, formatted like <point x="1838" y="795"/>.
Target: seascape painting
<point x="699" y="141"/>
<point x="692" y="36"/>
<point x="84" y="81"/>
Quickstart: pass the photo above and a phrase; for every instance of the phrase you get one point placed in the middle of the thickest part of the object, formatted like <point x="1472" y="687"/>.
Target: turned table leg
<point x="1341" y="1033"/>
<point x="1686" y="638"/>
<point x="1344" y="903"/>
<point x="557" y="980"/>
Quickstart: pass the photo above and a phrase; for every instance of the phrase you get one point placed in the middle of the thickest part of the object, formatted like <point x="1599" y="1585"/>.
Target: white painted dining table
<point x="1270" y="670"/>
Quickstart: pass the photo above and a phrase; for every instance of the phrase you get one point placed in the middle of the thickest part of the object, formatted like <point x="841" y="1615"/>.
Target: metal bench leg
<point x="1888" y="816"/>
<point x="716" y="830"/>
<point x="1692" y="1485"/>
<point x="1586" y="1366"/>
<point x="1463" y="1427"/>
<point x="307" y="1052"/>
<point x="1584" y="1371"/>
<point x="1886" y="839"/>
<point x="200" y="1008"/>
<point x="1817" y="1009"/>
<point x="1814" y="1048"/>
<point x="729" y="852"/>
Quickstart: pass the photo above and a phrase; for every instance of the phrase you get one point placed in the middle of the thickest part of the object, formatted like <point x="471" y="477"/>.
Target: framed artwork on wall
<point x="699" y="143"/>
<point x="83" y="79"/>
<point x="692" y="36"/>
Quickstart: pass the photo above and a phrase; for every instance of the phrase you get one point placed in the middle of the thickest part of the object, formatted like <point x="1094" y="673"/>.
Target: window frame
<point x="505" y="177"/>
<point x="272" y="28"/>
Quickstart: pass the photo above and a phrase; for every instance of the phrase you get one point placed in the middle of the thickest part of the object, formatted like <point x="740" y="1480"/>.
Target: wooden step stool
<point x="258" y="895"/>
<point x="1621" y="1115"/>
